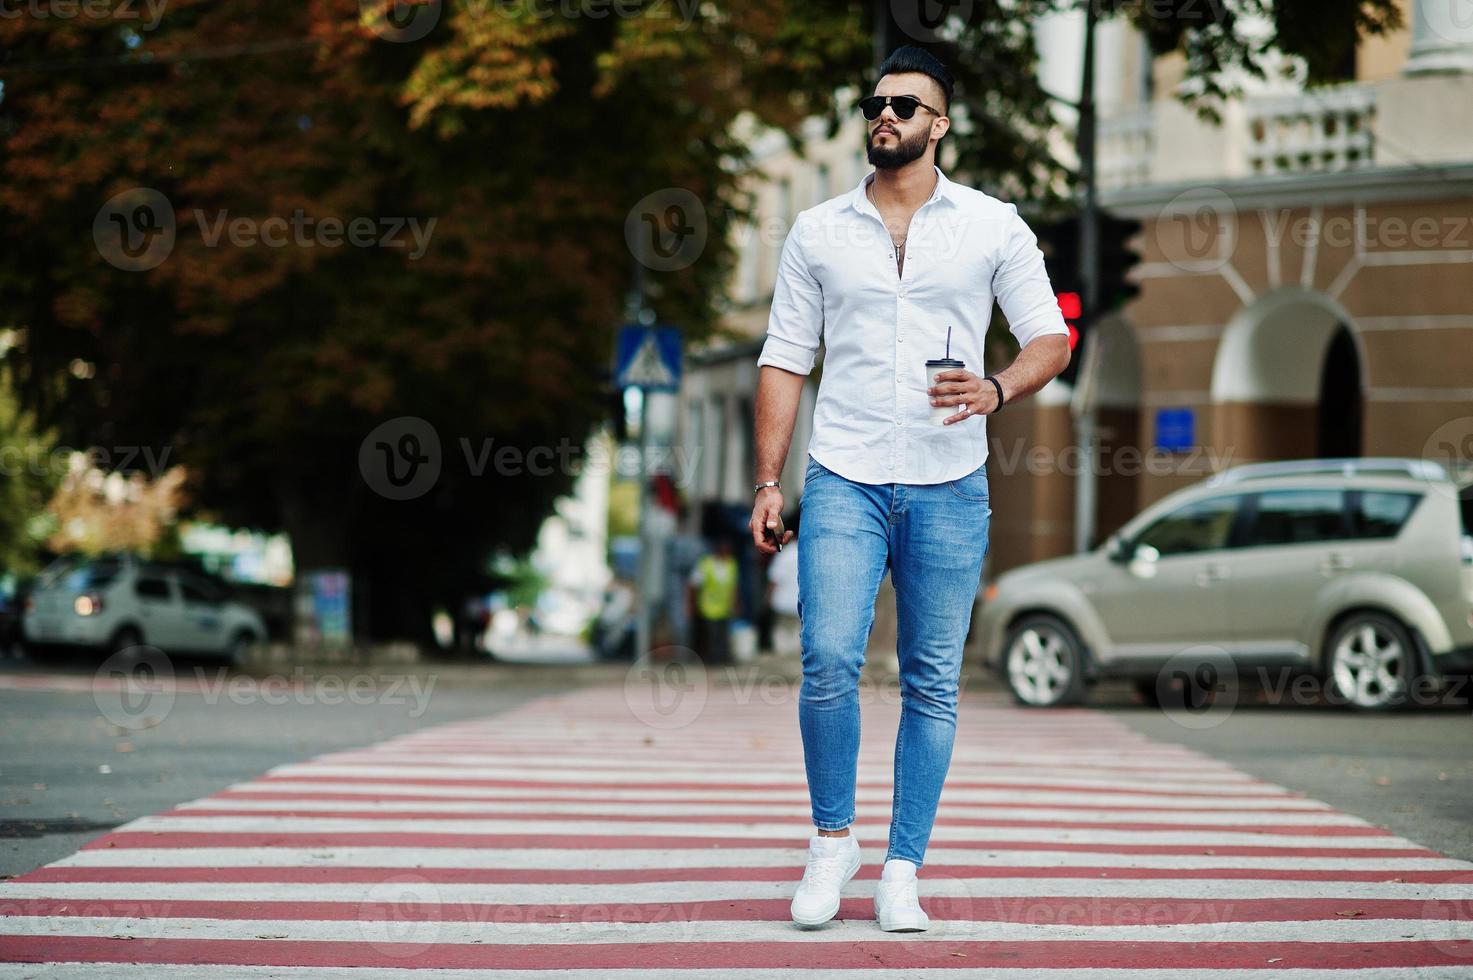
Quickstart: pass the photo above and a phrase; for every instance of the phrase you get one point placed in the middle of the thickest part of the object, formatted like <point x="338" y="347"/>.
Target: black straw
<point x="948" y="341"/>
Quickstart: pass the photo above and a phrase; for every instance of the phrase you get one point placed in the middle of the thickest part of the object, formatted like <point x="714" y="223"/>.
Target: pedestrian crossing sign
<point x="648" y="358"/>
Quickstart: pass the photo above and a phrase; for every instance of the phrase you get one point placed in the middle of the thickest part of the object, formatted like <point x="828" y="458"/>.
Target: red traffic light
<point x="1070" y="305"/>
<point x="1073" y="335"/>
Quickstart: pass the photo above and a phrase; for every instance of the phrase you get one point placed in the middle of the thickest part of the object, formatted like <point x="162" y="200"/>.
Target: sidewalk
<point x="661" y="827"/>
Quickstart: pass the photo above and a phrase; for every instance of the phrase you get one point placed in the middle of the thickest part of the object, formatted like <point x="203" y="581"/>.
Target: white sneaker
<point x="832" y="861"/>
<point x="897" y="905"/>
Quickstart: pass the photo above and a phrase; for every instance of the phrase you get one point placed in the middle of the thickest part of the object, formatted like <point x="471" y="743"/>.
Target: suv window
<point x="80" y="575"/>
<point x="1298" y="517"/>
<point x="151" y="587"/>
<point x="197" y="590"/>
<point x="1203" y="525"/>
<point x="1380" y="513"/>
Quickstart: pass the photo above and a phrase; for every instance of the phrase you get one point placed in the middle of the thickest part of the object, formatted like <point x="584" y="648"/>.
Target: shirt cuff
<point x="787" y="355"/>
<point x="1039" y="326"/>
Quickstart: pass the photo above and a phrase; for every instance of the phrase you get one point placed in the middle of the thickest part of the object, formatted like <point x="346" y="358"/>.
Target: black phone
<point x="775" y="534"/>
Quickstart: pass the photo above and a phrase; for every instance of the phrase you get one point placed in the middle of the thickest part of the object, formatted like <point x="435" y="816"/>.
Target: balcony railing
<point x="1125" y="146"/>
<point x="1319" y="131"/>
<point x="1322" y="130"/>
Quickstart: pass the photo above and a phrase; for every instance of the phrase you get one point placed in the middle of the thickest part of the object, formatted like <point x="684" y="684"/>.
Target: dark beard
<point x="904" y="151"/>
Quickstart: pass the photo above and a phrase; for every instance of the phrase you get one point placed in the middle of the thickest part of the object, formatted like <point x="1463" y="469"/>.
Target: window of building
<point x="750" y="264"/>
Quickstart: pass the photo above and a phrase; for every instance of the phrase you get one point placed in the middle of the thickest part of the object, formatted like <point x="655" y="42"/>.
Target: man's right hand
<point x="765" y="513"/>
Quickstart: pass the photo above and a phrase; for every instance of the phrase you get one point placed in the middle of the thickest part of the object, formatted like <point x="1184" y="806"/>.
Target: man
<point x="882" y="275"/>
<point x="714" y="594"/>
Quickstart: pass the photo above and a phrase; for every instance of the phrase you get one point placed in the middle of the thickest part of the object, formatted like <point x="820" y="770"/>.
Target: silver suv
<point x="116" y="602"/>
<point x="1357" y="570"/>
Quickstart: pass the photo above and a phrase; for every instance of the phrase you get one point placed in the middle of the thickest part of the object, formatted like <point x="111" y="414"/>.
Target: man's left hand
<point x="963" y="388"/>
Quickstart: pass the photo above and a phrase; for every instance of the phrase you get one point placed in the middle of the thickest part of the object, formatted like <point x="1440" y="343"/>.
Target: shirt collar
<point x="859" y="199"/>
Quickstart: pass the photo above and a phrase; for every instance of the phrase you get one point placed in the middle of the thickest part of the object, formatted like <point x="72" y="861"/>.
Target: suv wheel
<point x="1371" y="661"/>
<point x="241" y="648"/>
<point x="1146" y="688"/>
<point x="125" y="639"/>
<point x="1044" y="662"/>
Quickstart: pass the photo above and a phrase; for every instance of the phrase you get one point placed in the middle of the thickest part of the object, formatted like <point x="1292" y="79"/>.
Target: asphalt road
<point x="75" y="763"/>
<point x="1408" y="771"/>
<point x="69" y="772"/>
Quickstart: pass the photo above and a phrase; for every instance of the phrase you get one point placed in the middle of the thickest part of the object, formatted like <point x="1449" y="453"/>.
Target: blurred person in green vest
<point x="715" y="599"/>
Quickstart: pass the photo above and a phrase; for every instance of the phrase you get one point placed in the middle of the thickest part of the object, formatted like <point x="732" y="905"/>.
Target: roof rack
<point x="1421" y="469"/>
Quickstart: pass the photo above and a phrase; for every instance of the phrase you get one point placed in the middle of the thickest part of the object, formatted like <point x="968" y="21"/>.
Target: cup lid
<point x="946" y="362"/>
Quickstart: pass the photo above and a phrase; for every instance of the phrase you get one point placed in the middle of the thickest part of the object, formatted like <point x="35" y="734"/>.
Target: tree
<point x="266" y="368"/>
<point x="29" y="473"/>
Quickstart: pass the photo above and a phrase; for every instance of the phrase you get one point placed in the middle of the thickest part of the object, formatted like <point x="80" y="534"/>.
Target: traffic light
<point x="1072" y="307"/>
<point x="1059" y="241"/>
<point x="1117" y="258"/>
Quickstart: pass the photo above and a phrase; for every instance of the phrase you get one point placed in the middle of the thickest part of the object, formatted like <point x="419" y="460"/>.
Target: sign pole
<point x="642" y="610"/>
<point x="648" y="359"/>
<point x="1085" y="487"/>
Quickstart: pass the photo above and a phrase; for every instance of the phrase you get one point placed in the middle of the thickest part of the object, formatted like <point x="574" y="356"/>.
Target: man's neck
<point x="906" y="187"/>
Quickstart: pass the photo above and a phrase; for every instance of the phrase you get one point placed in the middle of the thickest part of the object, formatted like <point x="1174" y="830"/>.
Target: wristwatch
<point x="756" y="487"/>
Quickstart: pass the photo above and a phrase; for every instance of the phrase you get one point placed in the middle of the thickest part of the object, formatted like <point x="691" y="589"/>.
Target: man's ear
<point x="940" y="126"/>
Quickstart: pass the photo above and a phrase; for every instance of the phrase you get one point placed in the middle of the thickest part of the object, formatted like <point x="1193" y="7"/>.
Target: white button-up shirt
<point x="837" y="283"/>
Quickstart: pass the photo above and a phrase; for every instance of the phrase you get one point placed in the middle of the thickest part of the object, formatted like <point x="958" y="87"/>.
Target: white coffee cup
<point x="940" y="413"/>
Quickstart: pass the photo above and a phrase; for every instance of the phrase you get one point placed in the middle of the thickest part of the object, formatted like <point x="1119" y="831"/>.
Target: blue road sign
<point x="648" y="358"/>
<point x="1176" y="429"/>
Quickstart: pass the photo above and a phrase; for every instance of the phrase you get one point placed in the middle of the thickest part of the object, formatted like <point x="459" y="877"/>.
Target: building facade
<point x="1306" y="275"/>
<point x="1306" y="285"/>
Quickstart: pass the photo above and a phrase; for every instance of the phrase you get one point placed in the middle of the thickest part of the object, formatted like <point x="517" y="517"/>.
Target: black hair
<point x="913" y="59"/>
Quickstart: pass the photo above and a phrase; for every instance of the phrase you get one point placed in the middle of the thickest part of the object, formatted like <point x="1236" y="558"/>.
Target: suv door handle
<point x="1336" y="562"/>
<point x="1208" y="574"/>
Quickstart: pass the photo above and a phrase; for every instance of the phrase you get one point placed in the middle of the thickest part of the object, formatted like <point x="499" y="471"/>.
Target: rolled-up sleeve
<point x="1020" y="283"/>
<point x="795" y="324"/>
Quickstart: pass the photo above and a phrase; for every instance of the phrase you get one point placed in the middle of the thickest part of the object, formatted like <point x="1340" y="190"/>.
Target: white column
<point x="1442" y="37"/>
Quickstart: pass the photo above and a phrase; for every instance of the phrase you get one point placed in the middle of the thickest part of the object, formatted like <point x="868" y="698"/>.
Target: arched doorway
<point x="1287" y="381"/>
<point x="1341" y="401"/>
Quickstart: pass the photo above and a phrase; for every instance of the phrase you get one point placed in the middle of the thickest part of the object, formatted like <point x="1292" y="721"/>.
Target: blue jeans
<point x="932" y="538"/>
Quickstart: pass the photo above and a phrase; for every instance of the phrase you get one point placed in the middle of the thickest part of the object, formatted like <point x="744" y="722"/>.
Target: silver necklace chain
<point x="869" y="190"/>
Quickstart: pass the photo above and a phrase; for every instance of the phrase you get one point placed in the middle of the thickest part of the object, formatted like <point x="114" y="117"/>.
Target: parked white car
<point x="1359" y="571"/>
<point x="116" y="602"/>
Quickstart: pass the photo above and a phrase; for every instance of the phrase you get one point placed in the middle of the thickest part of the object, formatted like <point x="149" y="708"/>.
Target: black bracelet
<point x="1001" y="400"/>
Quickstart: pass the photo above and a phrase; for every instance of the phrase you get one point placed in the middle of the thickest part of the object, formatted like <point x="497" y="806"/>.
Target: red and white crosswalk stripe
<point x="575" y="834"/>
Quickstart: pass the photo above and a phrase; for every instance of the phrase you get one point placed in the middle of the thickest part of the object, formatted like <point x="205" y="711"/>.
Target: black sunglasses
<point x="905" y="106"/>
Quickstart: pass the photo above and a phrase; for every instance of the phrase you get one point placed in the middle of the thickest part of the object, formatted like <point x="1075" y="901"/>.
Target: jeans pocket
<point x="973" y="486"/>
<point x="812" y="472"/>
